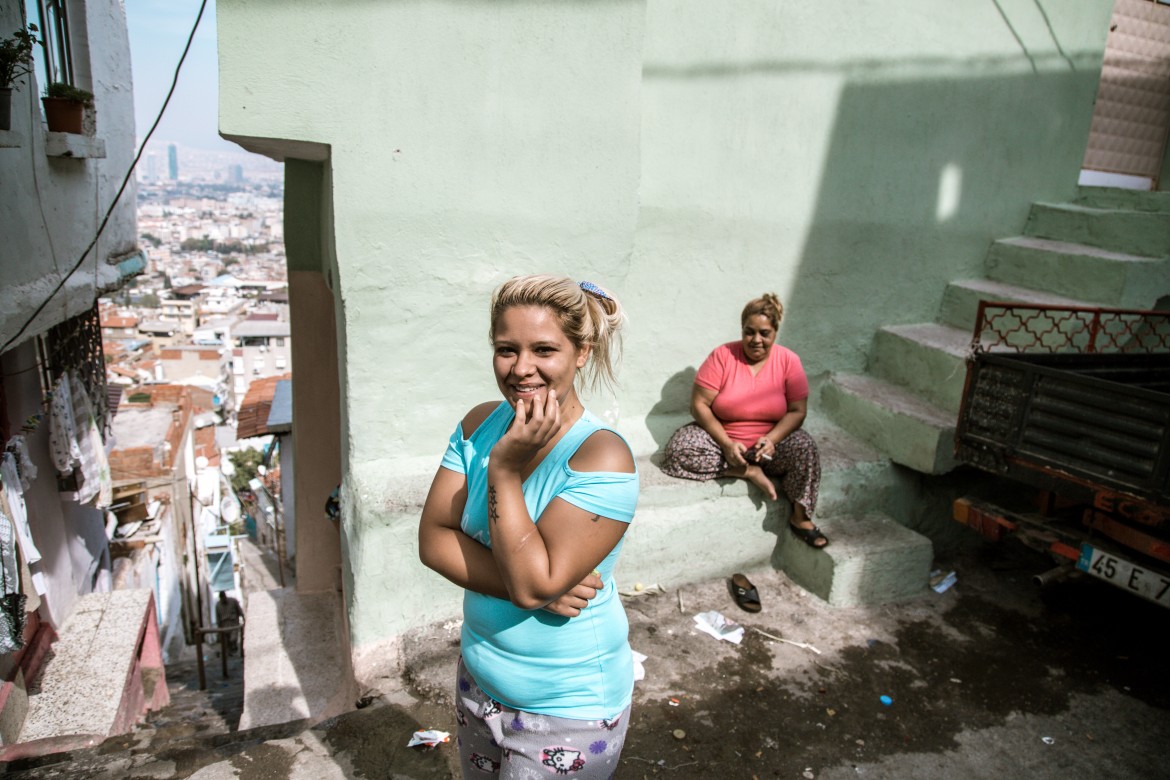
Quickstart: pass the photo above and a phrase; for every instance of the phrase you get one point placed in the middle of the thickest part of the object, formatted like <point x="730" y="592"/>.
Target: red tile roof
<point x="116" y="321"/>
<point x="252" y="419"/>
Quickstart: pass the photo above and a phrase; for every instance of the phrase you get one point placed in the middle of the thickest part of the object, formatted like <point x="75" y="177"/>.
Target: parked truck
<point x="1074" y="402"/>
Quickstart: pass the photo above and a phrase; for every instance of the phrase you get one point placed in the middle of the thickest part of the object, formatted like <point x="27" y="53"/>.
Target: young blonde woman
<point x="527" y="513"/>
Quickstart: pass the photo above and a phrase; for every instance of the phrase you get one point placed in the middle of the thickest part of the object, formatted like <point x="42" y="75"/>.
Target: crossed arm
<point x="733" y="451"/>
<point x="547" y="564"/>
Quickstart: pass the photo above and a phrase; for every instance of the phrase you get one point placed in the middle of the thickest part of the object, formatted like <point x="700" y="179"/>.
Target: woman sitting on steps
<point x="749" y="401"/>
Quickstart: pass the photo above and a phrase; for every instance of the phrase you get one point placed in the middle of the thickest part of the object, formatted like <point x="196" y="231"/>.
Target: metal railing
<point x="1055" y="329"/>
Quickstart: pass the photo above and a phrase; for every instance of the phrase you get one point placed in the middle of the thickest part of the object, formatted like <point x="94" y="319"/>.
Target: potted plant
<point x="65" y="106"/>
<point x="15" y="61"/>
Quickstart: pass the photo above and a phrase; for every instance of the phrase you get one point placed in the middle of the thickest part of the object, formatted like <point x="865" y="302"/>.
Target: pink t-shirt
<point x="750" y="406"/>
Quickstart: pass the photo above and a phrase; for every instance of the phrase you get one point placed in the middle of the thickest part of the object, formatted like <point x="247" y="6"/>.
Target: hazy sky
<point x="158" y="31"/>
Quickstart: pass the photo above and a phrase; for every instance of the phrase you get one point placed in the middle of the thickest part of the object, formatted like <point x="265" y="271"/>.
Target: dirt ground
<point x="993" y="678"/>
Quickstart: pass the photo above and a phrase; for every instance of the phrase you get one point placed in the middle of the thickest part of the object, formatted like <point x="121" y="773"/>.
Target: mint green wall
<point x="801" y="149"/>
<point x="303" y="196"/>
<point x="852" y="157"/>
<point x="466" y="143"/>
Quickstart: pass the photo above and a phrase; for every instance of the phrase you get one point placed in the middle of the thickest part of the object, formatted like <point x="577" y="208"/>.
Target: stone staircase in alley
<point x="1108" y="247"/>
<point x="691" y="531"/>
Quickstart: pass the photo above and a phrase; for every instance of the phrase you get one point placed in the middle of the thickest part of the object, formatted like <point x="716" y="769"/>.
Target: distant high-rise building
<point x="235" y="174"/>
<point x="151" y="173"/>
<point x="173" y="162"/>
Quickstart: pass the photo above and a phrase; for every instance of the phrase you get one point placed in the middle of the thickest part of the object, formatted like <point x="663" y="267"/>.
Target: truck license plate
<point x="1144" y="582"/>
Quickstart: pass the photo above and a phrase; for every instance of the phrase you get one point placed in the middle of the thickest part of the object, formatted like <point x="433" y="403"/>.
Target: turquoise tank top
<point x="532" y="660"/>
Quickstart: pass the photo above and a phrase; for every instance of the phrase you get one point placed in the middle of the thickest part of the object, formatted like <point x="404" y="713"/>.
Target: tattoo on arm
<point x="493" y="507"/>
<point x="595" y="518"/>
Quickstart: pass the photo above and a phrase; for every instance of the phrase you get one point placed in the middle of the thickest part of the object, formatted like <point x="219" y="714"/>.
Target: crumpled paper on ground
<point x="428" y="737"/>
<point x="718" y="626"/>
<point x="941" y="583"/>
<point x="639" y="670"/>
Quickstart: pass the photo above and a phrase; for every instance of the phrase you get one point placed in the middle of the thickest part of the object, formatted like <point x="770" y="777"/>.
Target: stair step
<point x="869" y="560"/>
<point x="1118" y="198"/>
<point x="670" y="540"/>
<point x="288" y="634"/>
<point x="908" y="428"/>
<point x="927" y="358"/>
<point x="960" y="304"/>
<point x="1080" y="271"/>
<point x="1142" y="233"/>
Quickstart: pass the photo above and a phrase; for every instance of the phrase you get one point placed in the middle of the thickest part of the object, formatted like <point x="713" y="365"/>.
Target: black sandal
<point x="810" y="536"/>
<point x="745" y="594"/>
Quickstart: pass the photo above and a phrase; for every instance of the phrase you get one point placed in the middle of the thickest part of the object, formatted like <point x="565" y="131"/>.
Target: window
<point x="281" y="363"/>
<point x="55" y="58"/>
<point x="280" y="341"/>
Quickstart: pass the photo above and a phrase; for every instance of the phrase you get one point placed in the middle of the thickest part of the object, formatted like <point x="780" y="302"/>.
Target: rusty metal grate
<point x="1030" y="328"/>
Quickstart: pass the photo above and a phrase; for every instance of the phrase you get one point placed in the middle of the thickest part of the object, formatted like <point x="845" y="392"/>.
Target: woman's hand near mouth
<point x="535" y="425"/>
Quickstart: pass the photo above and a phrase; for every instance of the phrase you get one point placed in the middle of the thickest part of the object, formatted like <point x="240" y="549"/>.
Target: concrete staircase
<point x="691" y="531"/>
<point x="1107" y="248"/>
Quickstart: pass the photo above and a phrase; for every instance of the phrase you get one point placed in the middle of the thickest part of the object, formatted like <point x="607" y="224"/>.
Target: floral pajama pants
<point x="498" y="741"/>
<point x="691" y="453"/>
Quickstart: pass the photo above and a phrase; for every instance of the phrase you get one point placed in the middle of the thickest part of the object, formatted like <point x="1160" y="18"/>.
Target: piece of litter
<point x="718" y="626"/>
<point x="428" y="737"/>
<point x="639" y="670"/>
<point x="830" y="712"/>
<point x="802" y="645"/>
<point x="1048" y="740"/>
<point x="673" y="702"/>
<point x="943" y="583"/>
<point x="808" y="773"/>
<point x="642" y="590"/>
<point x="956" y="680"/>
<point x="886" y="700"/>
<point x="679" y="734"/>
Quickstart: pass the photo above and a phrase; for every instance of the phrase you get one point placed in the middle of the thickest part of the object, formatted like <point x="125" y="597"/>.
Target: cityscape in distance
<point x="210" y="310"/>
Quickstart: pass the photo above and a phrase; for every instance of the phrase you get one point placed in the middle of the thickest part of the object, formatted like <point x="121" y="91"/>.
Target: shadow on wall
<point x="920" y="177"/>
<point x="673" y="405"/>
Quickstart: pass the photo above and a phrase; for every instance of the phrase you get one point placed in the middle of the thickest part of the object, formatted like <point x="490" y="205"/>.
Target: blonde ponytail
<point x="589" y="316"/>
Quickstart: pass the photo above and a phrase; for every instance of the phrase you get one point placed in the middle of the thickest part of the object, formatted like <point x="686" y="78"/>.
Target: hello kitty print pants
<point x="498" y="741"/>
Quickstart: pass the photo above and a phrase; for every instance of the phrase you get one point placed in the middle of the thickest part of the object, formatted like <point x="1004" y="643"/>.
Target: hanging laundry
<point x="18" y="446"/>
<point x="63" y="445"/>
<point x="12" y="601"/>
<point x="13" y="505"/>
<point x="95" y="481"/>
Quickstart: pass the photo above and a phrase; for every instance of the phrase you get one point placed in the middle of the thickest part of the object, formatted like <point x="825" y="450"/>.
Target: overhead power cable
<point x="121" y="189"/>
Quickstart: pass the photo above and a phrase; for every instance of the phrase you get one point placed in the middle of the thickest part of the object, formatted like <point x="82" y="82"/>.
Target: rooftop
<point x="281" y="414"/>
<point x="252" y="327"/>
<point x="143" y="426"/>
<point x="252" y="419"/>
